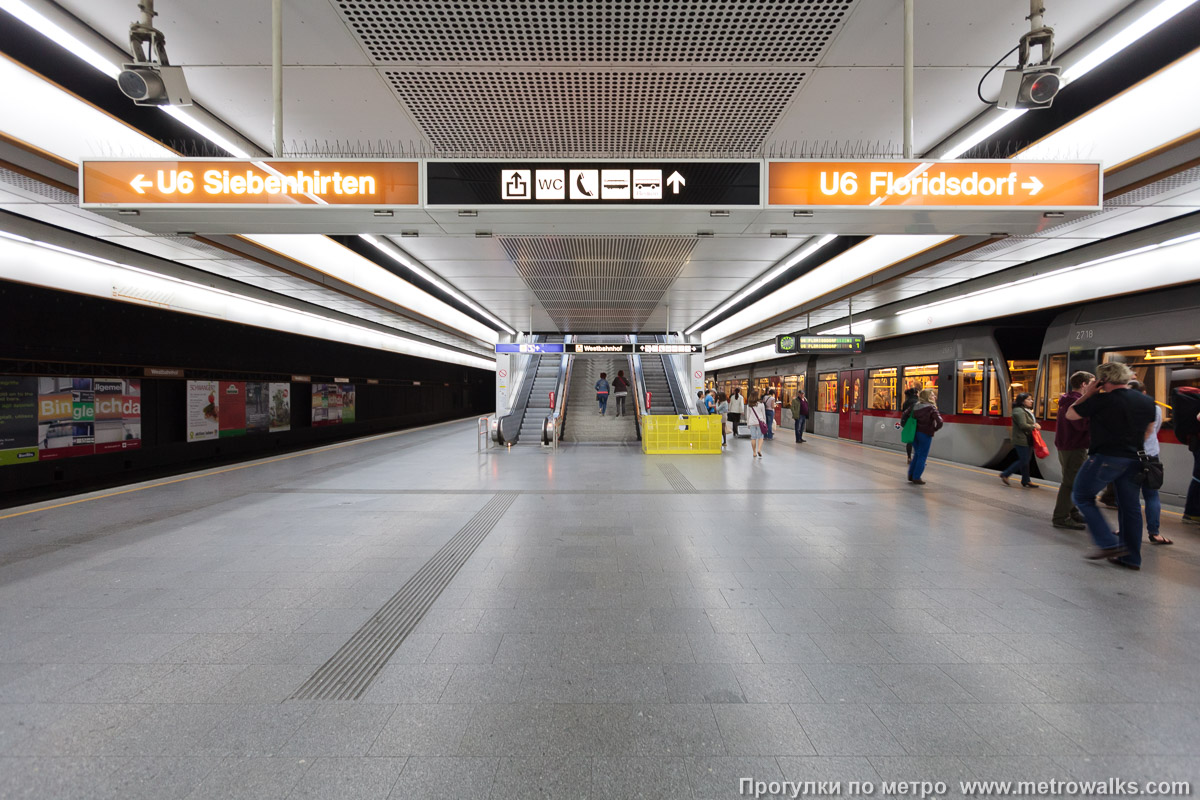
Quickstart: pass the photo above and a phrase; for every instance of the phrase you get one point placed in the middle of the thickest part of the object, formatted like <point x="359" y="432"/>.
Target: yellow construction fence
<point x="672" y="435"/>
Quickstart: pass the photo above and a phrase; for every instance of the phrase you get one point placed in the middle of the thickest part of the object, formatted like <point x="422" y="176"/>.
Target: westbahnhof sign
<point x="934" y="184"/>
<point x="599" y="348"/>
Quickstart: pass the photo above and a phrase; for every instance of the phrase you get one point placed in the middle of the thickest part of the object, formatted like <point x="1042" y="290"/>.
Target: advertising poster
<point x="66" y="418"/>
<point x="118" y="414"/>
<point x="326" y="404"/>
<point x="203" y="407"/>
<point x="281" y="407"/>
<point x="18" y="420"/>
<point x="232" y="410"/>
<point x="348" y="396"/>
<point x="258" y="407"/>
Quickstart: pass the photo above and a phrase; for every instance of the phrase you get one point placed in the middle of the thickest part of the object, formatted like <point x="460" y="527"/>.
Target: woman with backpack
<point x="602" y="392"/>
<point x="929" y="422"/>
<point x="1023" y="426"/>
<point x="620" y="387"/>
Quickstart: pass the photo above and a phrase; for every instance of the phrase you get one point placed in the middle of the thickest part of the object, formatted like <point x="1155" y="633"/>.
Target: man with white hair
<point x="1119" y="423"/>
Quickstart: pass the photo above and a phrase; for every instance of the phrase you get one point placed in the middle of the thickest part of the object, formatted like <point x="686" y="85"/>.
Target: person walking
<point x="800" y="414"/>
<point x="1150" y="495"/>
<point x="737" y="406"/>
<point x="756" y="423"/>
<point x="602" y="392"/>
<point x="1185" y="409"/>
<point x="1023" y="426"/>
<point x="1071" y="441"/>
<point x="929" y="422"/>
<point x="910" y="400"/>
<point x="1119" y="422"/>
<point x="769" y="406"/>
<point x="620" y="387"/>
<point x="722" y="411"/>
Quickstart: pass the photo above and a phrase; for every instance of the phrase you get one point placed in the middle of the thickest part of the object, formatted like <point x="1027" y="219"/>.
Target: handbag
<point x="762" y="426"/>
<point x="1150" y="476"/>
<point x="908" y="434"/>
<point x="1039" y="444"/>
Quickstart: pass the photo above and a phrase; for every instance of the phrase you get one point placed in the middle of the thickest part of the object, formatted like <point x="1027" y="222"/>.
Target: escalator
<point x="545" y="381"/>
<point x="654" y="377"/>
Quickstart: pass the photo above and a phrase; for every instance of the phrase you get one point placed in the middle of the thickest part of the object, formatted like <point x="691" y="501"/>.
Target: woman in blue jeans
<point x="1023" y="426"/>
<point x="929" y="421"/>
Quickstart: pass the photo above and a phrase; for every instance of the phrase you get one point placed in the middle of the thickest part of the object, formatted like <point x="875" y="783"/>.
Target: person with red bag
<point x="1024" y="426"/>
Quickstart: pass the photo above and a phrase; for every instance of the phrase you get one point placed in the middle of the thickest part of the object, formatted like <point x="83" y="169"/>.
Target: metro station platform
<point x="405" y="617"/>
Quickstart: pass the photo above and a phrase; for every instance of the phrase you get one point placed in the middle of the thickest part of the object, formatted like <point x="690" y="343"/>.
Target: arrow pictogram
<point x="675" y="181"/>
<point x="140" y="184"/>
<point x="1033" y="185"/>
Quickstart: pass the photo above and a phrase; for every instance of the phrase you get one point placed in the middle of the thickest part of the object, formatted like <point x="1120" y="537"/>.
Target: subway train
<point x="978" y="370"/>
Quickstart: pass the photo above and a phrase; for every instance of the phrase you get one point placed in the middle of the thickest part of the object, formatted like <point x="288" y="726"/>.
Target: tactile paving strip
<point x="349" y="673"/>
<point x="681" y="484"/>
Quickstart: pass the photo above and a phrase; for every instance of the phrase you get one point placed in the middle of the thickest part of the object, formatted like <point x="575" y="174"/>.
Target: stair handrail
<point x="556" y="420"/>
<point x="639" y="388"/>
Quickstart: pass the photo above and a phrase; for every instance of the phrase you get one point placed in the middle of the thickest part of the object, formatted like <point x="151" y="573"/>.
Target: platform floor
<point x="625" y="626"/>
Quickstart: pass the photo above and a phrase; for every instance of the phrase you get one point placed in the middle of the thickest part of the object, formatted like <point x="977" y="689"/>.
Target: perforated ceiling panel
<point x="595" y="113"/>
<point x="599" y="283"/>
<point x="501" y="31"/>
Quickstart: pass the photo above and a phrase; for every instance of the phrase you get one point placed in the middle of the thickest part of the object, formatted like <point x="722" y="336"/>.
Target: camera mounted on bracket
<point x="1031" y="86"/>
<point x="146" y="81"/>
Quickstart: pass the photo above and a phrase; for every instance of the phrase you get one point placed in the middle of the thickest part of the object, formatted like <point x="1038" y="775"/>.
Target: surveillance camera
<point x="1030" y="87"/>
<point x="154" y="85"/>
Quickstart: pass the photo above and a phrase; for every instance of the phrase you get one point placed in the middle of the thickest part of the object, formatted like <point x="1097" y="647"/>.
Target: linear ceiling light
<point x="780" y="268"/>
<point x="1095" y="57"/>
<point x="99" y="276"/>
<point x="402" y="258"/>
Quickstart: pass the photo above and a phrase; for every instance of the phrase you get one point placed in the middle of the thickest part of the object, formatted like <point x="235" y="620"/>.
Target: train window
<point x="827" y="391"/>
<point x="922" y="376"/>
<point x="1056" y="385"/>
<point x="994" y="395"/>
<point x="1162" y="369"/>
<point x="1022" y="377"/>
<point x="970" y="387"/>
<point x="881" y="388"/>
<point x="787" y="390"/>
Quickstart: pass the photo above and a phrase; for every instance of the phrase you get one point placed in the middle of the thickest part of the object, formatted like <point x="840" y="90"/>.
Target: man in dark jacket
<point x="800" y="414"/>
<point x="1121" y="421"/>
<point x="1071" y="440"/>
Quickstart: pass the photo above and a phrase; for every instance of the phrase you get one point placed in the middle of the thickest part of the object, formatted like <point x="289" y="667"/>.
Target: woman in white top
<point x="756" y="421"/>
<point x="1153" y="504"/>
<point x="736" y="406"/>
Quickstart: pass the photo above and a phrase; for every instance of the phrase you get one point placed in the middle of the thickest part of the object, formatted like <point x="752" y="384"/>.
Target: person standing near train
<point x="929" y="422"/>
<point x="737" y="405"/>
<point x="800" y="414"/>
<point x="910" y="400"/>
<point x="1185" y="408"/>
<point x="1071" y="440"/>
<point x="1150" y="494"/>
<point x="1120" y="421"/>
<point x="1023" y="426"/>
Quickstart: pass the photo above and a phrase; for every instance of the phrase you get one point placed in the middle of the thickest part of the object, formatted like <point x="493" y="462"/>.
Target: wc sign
<point x="525" y="184"/>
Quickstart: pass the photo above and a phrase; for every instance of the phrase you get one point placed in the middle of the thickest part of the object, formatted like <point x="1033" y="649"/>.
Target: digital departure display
<point x="795" y="343"/>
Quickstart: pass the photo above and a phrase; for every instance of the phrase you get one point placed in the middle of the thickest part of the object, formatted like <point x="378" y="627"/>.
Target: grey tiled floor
<point x="809" y="616"/>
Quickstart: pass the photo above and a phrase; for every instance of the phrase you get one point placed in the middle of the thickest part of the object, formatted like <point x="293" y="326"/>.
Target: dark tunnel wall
<point x="50" y="333"/>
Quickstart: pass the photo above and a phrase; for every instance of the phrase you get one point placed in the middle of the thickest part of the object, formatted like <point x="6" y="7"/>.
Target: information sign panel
<point x="716" y="184"/>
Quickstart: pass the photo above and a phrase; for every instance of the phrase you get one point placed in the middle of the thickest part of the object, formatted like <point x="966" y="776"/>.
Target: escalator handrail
<point x="506" y="424"/>
<point x="679" y="398"/>
<point x="556" y="420"/>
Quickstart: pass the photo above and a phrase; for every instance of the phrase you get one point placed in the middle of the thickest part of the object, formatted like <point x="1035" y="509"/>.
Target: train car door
<point x="850" y="418"/>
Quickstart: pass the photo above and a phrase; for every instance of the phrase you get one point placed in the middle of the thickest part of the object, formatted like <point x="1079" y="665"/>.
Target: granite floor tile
<point x="360" y="778"/>
<point x="850" y="729"/>
<point x="540" y="778"/>
<point x="339" y="730"/>
<point x="761" y="729"/>
<point x="703" y="683"/>
<point x="423" y="730"/>
<point x="775" y="683"/>
<point x="251" y="779"/>
<point x="626" y="778"/>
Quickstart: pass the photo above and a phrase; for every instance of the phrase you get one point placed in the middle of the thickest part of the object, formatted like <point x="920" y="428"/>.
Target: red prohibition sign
<point x="503" y="373"/>
<point x="699" y="374"/>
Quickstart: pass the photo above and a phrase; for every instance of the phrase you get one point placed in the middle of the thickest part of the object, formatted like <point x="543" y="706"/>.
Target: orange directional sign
<point x="185" y="182"/>
<point x="937" y="184"/>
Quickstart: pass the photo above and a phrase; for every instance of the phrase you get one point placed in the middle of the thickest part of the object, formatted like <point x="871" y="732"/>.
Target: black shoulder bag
<point x="1151" y="474"/>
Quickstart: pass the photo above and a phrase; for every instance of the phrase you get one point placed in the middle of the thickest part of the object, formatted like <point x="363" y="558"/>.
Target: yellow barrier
<point x="671" y="435"/>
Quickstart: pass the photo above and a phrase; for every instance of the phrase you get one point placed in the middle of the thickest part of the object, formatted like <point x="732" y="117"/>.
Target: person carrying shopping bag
<point x="1023" y="426"/>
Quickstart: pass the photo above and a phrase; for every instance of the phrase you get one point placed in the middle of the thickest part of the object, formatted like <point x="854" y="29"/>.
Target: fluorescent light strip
<point x="775" y="272"/>
<point x="51" y="30"/>
<point x="231" y="307"/>
<point x="185" y="116"/>
<point x="400" y="257"/>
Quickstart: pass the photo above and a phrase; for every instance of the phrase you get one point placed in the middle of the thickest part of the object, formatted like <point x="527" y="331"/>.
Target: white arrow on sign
<point x="675" y="181"/>
<point x="140" y="183"/>
<point x="1033" y="185"/>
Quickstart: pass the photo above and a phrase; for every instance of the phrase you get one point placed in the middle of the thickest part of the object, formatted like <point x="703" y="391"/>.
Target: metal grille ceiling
<point x="599" y="282"/>
<point x="786" y="32"/>
<point x="26" y="184"/>
<point x="595" y="113"/>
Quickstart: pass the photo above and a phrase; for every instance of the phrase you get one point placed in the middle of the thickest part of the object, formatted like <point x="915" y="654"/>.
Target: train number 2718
<point x="1083" y="334"/>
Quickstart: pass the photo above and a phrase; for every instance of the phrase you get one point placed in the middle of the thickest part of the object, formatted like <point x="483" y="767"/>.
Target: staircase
<point x="584" y="423"/>
<point x="655" y="376"/>
<point x="545" y="379"/>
